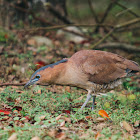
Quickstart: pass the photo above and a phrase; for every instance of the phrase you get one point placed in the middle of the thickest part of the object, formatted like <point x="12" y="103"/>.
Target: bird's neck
<point x="54" y="74"/>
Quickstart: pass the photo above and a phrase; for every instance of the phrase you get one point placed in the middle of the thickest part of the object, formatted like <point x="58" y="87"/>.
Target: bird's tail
<point x="132" y="67"/>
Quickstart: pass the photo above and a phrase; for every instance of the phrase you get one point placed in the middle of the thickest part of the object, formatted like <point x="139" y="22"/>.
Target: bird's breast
<point x="96" y="88"/>
<point x="73" y="76"/>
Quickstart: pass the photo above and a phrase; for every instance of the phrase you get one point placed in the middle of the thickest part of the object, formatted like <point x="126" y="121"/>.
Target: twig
<point x="17" y="84"/>
<point x="125" y="47"/>
<point x="129" y="10"/>
<point x="106" y="36"/>
<point x="66" y="25"/>
<point x="93" y="12"/>
<point x="113" y="37"/>
<point x="57" y="14"/>
<point x="12" y="84"/>
<point x="116" y="28"/>
<point x="110" y="6"/>
<point x="32" y="13"/>
<point x="122" y="12"/>
<point x="129" y="29"/>
<point x="97" y="20"/>
<point x="128" y="23"/>
<point x="78" y="34"/>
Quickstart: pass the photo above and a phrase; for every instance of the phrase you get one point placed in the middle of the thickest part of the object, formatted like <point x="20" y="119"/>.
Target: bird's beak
<point x="31" y="82"/>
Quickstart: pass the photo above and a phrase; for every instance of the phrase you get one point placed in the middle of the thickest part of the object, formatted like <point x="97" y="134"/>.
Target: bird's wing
<point x="104" y="68"/>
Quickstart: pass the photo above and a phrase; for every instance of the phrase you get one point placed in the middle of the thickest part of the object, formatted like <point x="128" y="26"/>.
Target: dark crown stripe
<point x="49" y="66"/>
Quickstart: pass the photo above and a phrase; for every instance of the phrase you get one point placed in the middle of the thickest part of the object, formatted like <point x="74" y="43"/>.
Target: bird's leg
<point x="88" y="98"/>
<point x="93" y="104"/>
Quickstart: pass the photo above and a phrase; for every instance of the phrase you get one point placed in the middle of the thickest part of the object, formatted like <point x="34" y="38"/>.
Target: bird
<point x="92" y="70"/>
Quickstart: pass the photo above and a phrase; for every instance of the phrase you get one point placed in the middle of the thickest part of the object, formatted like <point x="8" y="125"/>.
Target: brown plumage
<point x="92" y="70"/>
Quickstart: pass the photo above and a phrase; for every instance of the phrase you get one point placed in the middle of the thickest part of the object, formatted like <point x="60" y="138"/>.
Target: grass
<point x="34" y="112"/>
<point x="27" y="107"/>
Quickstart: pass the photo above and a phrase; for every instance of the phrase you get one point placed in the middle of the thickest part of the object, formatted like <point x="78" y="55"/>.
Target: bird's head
<point x="47" y="74"/>
<point x="38" y="76"/>
<point x="35" y="78"/>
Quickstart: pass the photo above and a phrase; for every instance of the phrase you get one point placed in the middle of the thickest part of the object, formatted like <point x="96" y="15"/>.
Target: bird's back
<point x="103" y="67"/>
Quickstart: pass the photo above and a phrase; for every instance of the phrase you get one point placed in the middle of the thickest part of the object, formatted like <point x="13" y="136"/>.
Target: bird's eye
<point x="38" y="76"/>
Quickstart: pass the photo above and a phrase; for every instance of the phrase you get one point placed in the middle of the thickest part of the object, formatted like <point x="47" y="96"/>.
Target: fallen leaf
<point x="80" y="98"/>
<point x="97" y="136"/>
<point x="42" y="117"/>
<point x="18" y="108"/>
<point x="66" y="111"/>
<point x="39" y="64"/>
<point x="137" y="123"/>
<point x="62" y="124"/>
<point x="67" y="119"/>
<point x="103" y="114"/>
<point x="61" y="136"/>
<point x="5" y="112"/>
<point x="64" y="128"/>
<point x="13" y="137"/>
<point x="52" y="133"/>
<point x="84" y="136"/>
<point x="35" y="138"/>
<point x="39" y="91"/>
<point x="6" y="36"/>
<point x="57" y="118"/>
<point x="16" y="111"/>
<point x="19" y="91"/>
<point x="127" y="126"/>
<point x="100" y="126"/>
<point x="2" y="89"/>
<point x="15" y="87"/>
<point x="17" y="101"/>
<point x="31" y="42"/>
<point x="100" y="119"/>
<point x="67" y="89"/>
<point x="5" y="118"/>
<point x="27" y="117"/>
<point x="88" y="117"/>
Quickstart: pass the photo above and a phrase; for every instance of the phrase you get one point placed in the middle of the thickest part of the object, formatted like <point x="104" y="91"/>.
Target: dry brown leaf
<point x="39" y="91"/>
<point x="67" y="89"/>
<point x="15" y="87"/>
<point x="19" y="91"/>
<point x="127" y="126"/>
<point x="101" y="126"/>
<point x="137" y="123"/>
<point x="67" y="119"/>
<point x="62" y="124"/>
<point x="31" y="42"/>
<point x="57" y="118"/>
<point x="100" y="119"/>
<point x="88" y="117"/>
<point x="16" y="111"/>
<point x="17" y="101"/>
<point x="2" y="89"/>
<point x="13" y="137"/>
<point x="42" y="117"/>
<point x="35" y="138"/>
<point x="80" y="98"/>
<point x="52" y="133"/>
<point x="84" y="136"/>
<point x="64" y="128"/>
<point x="97" y="136"/>
<point x="61" y="136"/>
<point x="5" y="118"/>
<point x="52" y="99"/>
